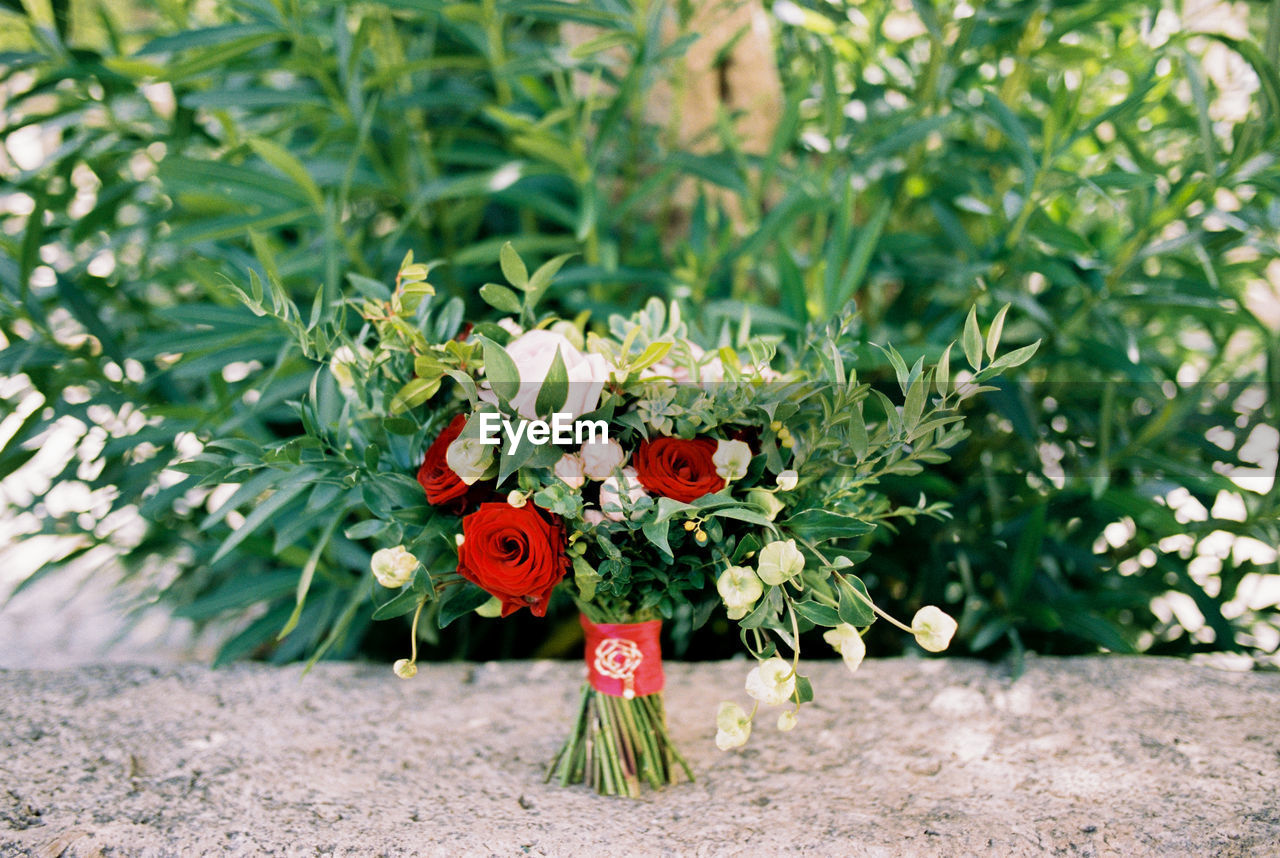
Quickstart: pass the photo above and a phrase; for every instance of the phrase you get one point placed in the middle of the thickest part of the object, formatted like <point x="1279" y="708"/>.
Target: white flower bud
<point x="733" y="726"/>
<point x="779" y="562"/>
<point x="772" y="682"/>
<point x="491" y="608"/>
<point x="469" y="459"/>
<point x="787" y="480"/>
<point x="740" y="589"/>
<point x="731" y="460"/>
<point x="405" y="669"/>
<point x="933" y="628"/>
<point x="601" y="458"/>
<point x="765" y="501"/>
<point x="570" y="471"/>
<point x="458" y="539"/>
<point x="787" y="721"/>
<point x="516" y="498"/>
<point x="394" y="567"/>
<point x="845" y="640"/>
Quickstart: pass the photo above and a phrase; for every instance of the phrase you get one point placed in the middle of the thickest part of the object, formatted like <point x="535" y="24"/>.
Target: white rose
<point x="787" y="480"/>
<point x="773" y="682"/>
<point x="533" y="354"/>
<point x="731" y="459"/>
<point x="933" y="628"/>
<point x="740" y="589"/>
<point x="468" y="458"/>
<point x="601" y="458"/>
<point x="511" y="326"/>
<point x="611" y="497"/>
<point x="845" y="640"/>
<point x="394" y="567"/>
<point x="733" y="726"/>
<point x="779" y="562"/>
<point x="569" y="470"/>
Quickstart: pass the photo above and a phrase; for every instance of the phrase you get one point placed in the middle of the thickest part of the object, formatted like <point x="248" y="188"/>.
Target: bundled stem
<point x="617" y="744"/>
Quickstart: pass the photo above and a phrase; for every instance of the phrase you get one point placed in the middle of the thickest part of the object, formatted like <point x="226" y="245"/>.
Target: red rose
<point x="677" y="468"/>
<point x="514" y="554"/>
<point x="436" y="478"/>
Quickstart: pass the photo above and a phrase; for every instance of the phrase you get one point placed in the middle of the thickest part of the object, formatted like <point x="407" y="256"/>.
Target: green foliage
<point x="1078" y="161"/>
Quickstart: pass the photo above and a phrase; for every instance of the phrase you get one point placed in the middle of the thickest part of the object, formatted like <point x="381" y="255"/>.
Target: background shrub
<point x="1104" y="166"/>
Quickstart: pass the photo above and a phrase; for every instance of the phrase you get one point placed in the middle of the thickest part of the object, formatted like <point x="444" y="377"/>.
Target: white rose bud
<point x="405" y="669"/>
<point x="787" y="480"/>
<point x="779" y="562"/>
<point x="601" y="458"/>
<point x="340" y="366"/>
<point x="533" y="353"/>
<point x="731" y="460"/>
<point x="765" y="501"/>
<point x="933" y="628"/>
<point x="773" y="682"/>
<point x="611" y="496"/>
<point x="516" y="498"/>
<point x="569" y="470"/>
<point x="733" y="726"/>
<point x="787" y="721"/>
<point x="468" y="458"/>
<point x="845" y="640"/>
<point x="740" y="589"/>
<point x="394" y="567"/>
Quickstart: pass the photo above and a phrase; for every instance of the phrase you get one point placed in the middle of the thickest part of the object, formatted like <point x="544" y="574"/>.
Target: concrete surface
<point x="1088" y="756"/>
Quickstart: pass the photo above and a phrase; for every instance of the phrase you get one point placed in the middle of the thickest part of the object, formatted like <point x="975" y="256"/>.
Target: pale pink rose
<point x="610" y="494"/>
<point x="593" y="517"/>
<point x="601" y="458"/>
<point x="569" y="470"/>
<point x="533" y="354"/>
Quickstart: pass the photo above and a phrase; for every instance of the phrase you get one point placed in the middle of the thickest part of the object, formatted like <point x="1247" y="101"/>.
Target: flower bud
<point x="570" y="471"/>
<point x="601" y="458"/>
<point x="491" y="608"/>
<point x="700" y="536"/>
<point x="469" y="459"/>
<point x="845" y="640"/>
<point x="740" y="589"/>
<point x="787" y="480"/>
<point x="405" y="669"/>
<point x="733" y="726"/>
<point x="773" y="682"/>
<point x="933" y="628"/>
<point x="691" y="525"/>
<point x="458" y="539"/>
<point x="393" y="567"/>
<point x="765" y="501"/>
<point x="779" y="562"/>
<point x="731" y="459"/>
<point x="516" y="498"/>
<point x="787" y="721"/>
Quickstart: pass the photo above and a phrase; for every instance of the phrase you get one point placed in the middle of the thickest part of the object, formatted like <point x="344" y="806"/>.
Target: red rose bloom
<point x="436" y="478"/>
<point x="678" y="469"/>
<point x="514" y="554"/>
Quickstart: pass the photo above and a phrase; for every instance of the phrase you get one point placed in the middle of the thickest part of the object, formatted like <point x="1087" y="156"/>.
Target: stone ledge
<point x="1084" y="756"/>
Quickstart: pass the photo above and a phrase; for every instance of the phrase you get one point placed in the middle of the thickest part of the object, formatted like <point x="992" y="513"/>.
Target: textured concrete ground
<point x="1090" y="756"/>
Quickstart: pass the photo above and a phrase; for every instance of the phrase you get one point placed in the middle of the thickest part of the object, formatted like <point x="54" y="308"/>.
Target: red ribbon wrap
<point x="624" y="659"/>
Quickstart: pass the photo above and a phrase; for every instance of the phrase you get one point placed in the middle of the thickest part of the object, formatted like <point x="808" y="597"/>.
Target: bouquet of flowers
<point x="628" y="470"/>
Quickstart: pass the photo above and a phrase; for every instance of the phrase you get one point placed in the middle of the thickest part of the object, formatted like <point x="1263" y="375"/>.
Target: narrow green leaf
<point x="513" y="267"/>
<point x="500" y="297"/>
<point x="972" y="340"/>
<point x="994" y="332"/>
<point x="554" y="389"/>
<point x="500" y="369"/>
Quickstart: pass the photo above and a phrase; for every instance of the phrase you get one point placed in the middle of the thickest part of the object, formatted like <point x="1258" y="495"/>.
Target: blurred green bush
<point x="1106" y="167"/>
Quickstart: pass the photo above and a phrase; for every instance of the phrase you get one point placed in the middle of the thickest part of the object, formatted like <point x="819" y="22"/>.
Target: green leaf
<point x="854" y="602"/>
<point x="818" y="614"/>
<point x="500" y="297"/>
<point x="585" y="578"/>
<point x="401" y="604"/>
<point x="819" y="525"/>
<point x="285" y="161"/>
<point x="1017" y="357"/>
<point x="500" y="369"/>
<point x="541" y="278"/>
<point x="554" y="389"/>
<point x="459" y="600"/>
<point x="513" y="267"/>
<point x="972" y="340"/>
<point x="993" y="333"/>
<point x="804" y="689"/>
<point x="413" y="394"/>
